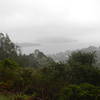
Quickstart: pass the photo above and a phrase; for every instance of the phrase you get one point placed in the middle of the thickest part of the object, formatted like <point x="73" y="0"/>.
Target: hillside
<point x="63" y="56"/>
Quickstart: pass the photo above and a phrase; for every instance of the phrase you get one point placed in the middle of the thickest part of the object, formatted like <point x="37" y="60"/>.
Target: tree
<point x="8" y="73"/>
<point x="7" y="48"/>
<point x="80" y="92"/>
<point x="82" y="58"/>
<point x="81" y="68"/>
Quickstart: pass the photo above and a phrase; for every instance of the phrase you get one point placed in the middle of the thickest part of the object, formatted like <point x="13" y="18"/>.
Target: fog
<point x="55" y="25"/>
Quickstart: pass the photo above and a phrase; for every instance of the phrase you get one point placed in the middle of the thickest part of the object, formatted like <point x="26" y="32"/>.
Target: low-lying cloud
<point x="56" y="40"/>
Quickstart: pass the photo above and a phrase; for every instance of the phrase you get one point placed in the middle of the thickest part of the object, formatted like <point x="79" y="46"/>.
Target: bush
<point x="80" y="92"/>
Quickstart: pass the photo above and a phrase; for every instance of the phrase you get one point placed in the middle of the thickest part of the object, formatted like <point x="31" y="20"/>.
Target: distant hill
<point x="35" y="59"/>
<point x="42" y="59"/>
<point x="26" y="44"/>
<point x="63" y="56"/>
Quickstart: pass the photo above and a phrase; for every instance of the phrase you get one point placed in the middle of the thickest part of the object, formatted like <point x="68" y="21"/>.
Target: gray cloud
<point x="51" y="21"/>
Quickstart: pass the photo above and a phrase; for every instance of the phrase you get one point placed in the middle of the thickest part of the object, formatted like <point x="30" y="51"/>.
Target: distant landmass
<point x="27" y="44"/>
<point x="63" y="56"/>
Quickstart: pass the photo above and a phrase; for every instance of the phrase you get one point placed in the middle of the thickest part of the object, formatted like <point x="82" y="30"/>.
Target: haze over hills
<point x="63" y="56"/>
<point x="59" y="56"/>
<point x="49" y="50"/>
<point x="52" y="48"/>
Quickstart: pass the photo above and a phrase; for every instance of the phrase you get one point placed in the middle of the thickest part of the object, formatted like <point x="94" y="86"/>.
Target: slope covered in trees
<point x="38" y="77"/>
<point x="9" y="50"/>
<point x="63" y="56"/>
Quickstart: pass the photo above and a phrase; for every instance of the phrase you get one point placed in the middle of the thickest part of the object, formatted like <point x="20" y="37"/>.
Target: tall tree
<point x="82" y="58"/>
<point x="7" y="48"/>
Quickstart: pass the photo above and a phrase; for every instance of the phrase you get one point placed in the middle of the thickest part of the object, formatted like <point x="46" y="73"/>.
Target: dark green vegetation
<point x="38" y="77"/>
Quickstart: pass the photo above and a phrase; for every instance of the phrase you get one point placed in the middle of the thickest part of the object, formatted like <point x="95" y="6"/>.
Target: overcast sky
<point x="56" y="25"/>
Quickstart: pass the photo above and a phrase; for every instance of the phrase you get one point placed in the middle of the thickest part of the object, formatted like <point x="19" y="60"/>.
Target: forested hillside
<point x="63" y="56"/>
<point x="38" y="77"/>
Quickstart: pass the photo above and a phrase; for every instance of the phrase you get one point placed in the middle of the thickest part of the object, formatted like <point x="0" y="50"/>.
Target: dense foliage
<point x="38" y="77"/>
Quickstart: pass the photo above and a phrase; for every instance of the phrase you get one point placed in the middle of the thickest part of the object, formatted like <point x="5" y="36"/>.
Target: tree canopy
<point x="38" y="77"/>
